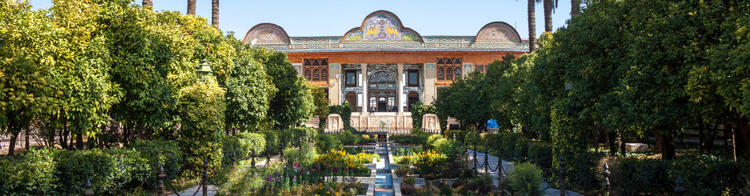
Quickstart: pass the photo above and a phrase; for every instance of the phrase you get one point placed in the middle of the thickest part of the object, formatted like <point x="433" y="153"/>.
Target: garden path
<point x="508" y="166"/>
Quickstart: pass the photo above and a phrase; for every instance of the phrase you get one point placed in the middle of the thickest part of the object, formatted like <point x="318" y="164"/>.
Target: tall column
<point x="365" y="99"/>
<point x="430" y="91"/>
<point x="400" y="91"/>
<point x="334" y="84"/>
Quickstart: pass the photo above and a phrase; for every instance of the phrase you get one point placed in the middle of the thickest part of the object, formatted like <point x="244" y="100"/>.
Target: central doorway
<point x="381" y="90"/>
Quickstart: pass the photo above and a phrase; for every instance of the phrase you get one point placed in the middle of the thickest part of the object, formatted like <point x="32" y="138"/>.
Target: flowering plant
<point x="337" y="161"/>
<point x="430" y="163"/>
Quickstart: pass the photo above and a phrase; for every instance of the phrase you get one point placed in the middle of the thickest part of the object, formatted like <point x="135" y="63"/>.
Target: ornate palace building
<point x="381" y="67"/>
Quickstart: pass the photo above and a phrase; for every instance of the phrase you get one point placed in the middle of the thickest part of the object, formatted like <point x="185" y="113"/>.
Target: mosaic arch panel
<point x="497" y="32"/>
<point x="382" y="26"/>
<point x="266" y="33"/>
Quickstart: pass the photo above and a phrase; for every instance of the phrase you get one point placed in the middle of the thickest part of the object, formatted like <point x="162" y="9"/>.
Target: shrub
<point x="540" y="154"/>
<point x="431" y="164"/>
<point x="348" y="138"/>
<point x="480" y="185"/>
<point x="29" y="174"/>
<point x="110" y="170"/>
<point x="432" y="140"/>
<point x="703" y="175"/>
<point x="304" y="155"/>
<point x="231" y="150"/>
<point x="241" y="147"/>
<point x="338" y="160"/>
<point x="202" y="107"/>
<point x="298" y="136"/>
<point x="525" y="179"/>
<point x="159" y="153"/>
<point x="402" y="171"/>
<point x="327" y="142"/>
<point x="411" y="139"/>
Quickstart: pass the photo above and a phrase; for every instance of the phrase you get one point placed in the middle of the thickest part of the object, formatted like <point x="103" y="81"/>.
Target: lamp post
<point x="204" y="69"/>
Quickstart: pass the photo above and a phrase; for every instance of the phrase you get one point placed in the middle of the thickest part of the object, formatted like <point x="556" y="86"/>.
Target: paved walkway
<point x="212" y="189"/>
<point x="508" y="166"/>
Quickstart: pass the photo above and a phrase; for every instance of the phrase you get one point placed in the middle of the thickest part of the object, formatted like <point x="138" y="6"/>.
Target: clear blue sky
<point x="335" y="17"/>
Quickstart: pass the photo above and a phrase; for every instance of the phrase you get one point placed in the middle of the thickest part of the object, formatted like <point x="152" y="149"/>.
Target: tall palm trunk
<point x="148" y="4"/>
<point x="575" y="6"/>
<point x="215" y="13"/>
<point x="548" y="4"/>
<point x="191" y="7"/>
<point x="532" y="25"/>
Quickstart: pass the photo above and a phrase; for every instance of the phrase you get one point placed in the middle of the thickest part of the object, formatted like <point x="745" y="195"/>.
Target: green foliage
<point x="110" y="170"/>
<point x="249" y="92"/>
<point x="418" y="110"/>
<point x="202" y="120"/>
<point x="293" y="103"/>
<point x="703" y="175"/>
<point x="299" y="136"/>
<point x="30" y="174"/>
<point x="321" y="105"/>
<point x="525" y="179"/>
<point x="304" y="155"/>
<point x="480" y="185"/>
<point x="327" y="142"/>
<point x="417" y="137"/>
<point x="160" y="153"/>
<point x="345" y="111"/>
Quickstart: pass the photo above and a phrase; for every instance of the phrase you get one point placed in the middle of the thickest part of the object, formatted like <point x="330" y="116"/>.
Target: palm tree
<point x="191" y="7"/>
<point x="575" y="6"/>
<point x="215" y="13"/>
<point x="149" y="4"/>
<point x="549" y="7"/>
<point x="532" y="25"/>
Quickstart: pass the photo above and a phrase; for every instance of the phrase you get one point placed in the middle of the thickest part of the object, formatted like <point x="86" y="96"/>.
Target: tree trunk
<point x="215" y="13"/>
<point x="28" y="132"/>
<point x="575" y="5"/>
<point x="548" y="6"/>
<point x="532" y="25"/>
<point x="622" y="143"/>
<point x="148" y="4"/>
<point x="611" y="137"/>
<point x="664" y="144"/>
<point x="191" y="7"/>
<point x="79" y="141"/>
<point x="13" y="137"/>
<point x="702" y="139"/>
<point x="743" y="136"/>
<point x="64" y="135"/>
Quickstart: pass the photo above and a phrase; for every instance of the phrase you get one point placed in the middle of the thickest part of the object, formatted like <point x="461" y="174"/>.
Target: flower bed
<point x="341" y="163"/>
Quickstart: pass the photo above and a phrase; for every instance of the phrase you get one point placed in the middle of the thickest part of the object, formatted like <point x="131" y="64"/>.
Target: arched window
<point x="316" y="69"/>
<point x="441" y="73"/>
<point x="449" y="73"/>
<point x="324" y="74"/>
<point x="315" y="75"/>
<point x="457" y="72"/>
<point x="307" y="74"/>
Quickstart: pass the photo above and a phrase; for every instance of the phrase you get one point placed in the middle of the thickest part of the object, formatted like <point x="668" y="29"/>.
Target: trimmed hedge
<point x="111" y="171"/>
<point x="515" y="147"/>
<point x="160" y="153"/>
<point x="240" y="147"/>
<point x="29" y="174"/>
<point x="702" y="175"/>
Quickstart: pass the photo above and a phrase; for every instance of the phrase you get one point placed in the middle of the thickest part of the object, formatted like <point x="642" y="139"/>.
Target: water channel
<point x="383" y="177"/>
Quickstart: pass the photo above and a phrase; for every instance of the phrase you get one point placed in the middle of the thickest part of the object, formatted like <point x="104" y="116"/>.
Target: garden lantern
<point x="204" y="70"/>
